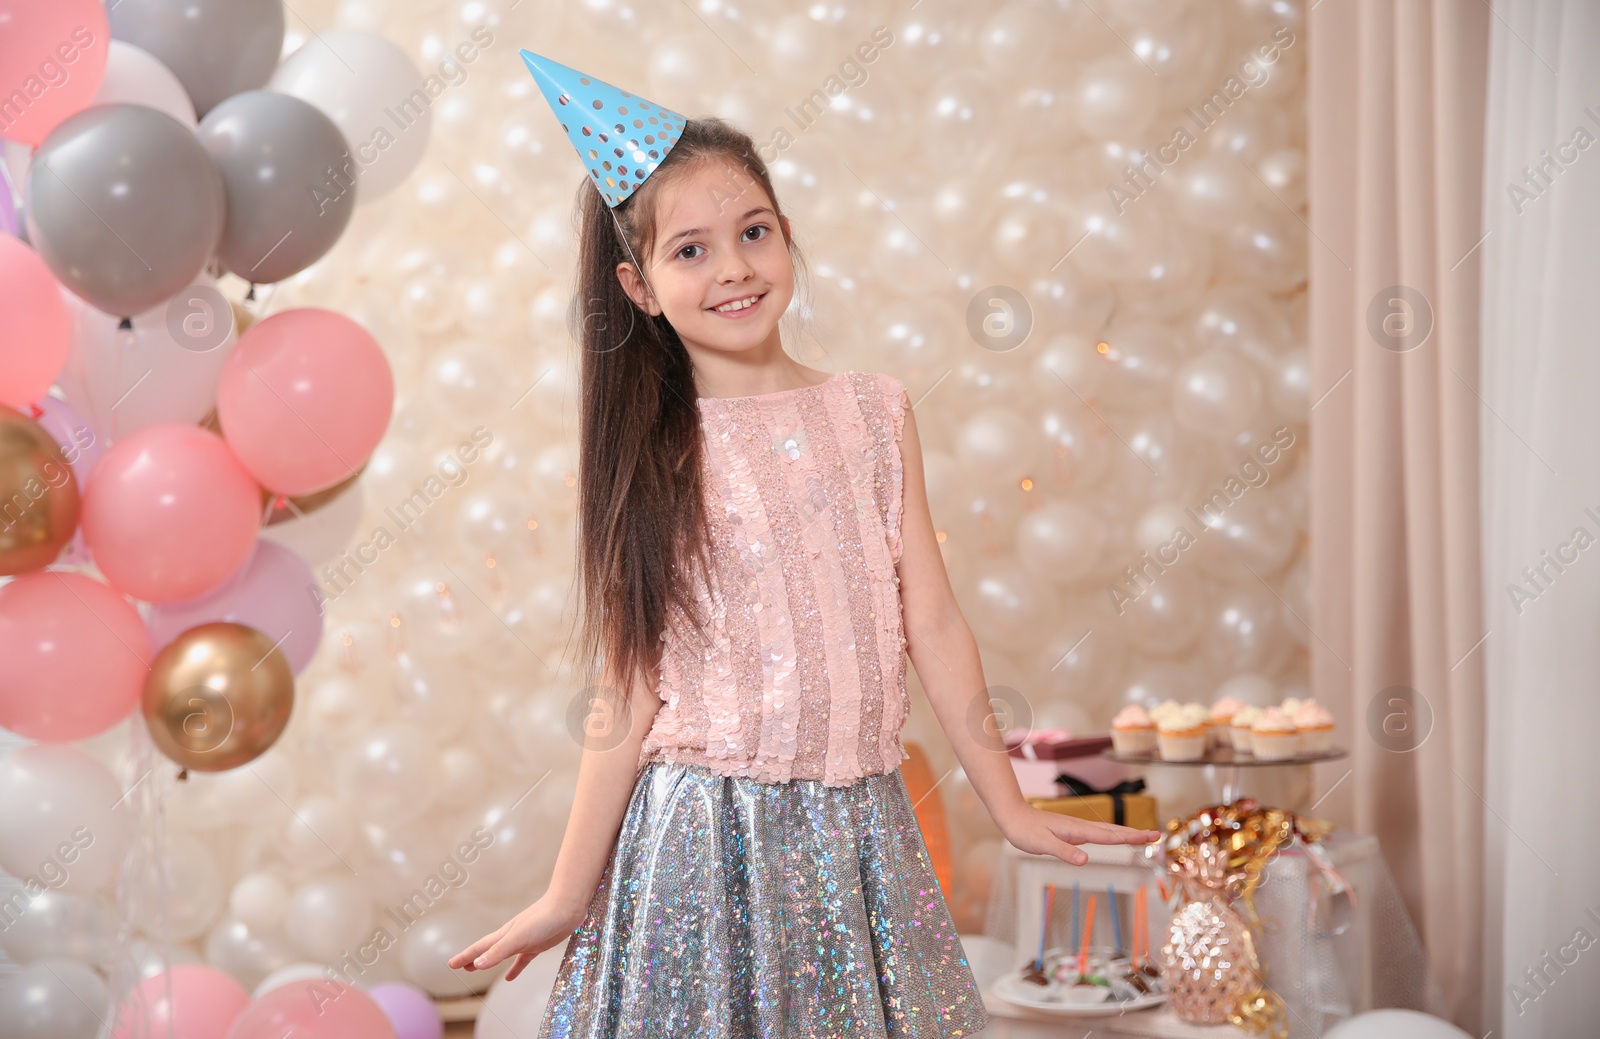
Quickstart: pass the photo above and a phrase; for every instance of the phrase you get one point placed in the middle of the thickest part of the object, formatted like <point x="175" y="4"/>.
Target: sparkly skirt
<point x="734" y="909"/>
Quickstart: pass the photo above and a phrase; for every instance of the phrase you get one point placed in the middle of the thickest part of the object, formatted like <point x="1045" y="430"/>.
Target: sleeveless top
<point x="801" y="673"/>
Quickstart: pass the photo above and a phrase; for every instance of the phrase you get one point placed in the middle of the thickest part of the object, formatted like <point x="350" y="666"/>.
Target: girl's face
<point x="718" y="240"/>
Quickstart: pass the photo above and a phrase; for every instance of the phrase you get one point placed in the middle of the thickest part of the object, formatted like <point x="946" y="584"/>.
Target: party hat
<point x="620" y="137"/>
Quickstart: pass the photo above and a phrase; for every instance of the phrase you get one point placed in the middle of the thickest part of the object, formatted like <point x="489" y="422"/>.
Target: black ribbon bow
<point x="1119" y="814"/>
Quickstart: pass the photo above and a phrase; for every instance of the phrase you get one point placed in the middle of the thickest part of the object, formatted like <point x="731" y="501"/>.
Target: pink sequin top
<point x="804" y="674"/>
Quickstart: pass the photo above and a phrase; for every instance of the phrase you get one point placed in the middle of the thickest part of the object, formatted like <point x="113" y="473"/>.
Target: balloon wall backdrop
<point x="289" y="429"/>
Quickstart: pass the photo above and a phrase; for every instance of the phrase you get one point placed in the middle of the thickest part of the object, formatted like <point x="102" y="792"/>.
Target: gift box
<point x="1037" y="754"/>
<point x="1125" y="804"/>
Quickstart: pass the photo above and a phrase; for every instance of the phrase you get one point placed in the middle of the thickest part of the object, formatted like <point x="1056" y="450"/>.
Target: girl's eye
<point x="763" y="228"/>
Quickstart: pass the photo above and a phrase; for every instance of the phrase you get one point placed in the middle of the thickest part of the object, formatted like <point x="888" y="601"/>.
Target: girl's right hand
<point x="539" y="927"/>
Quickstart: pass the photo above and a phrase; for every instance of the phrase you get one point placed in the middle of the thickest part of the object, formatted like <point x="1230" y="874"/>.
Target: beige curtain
<point x="1396" y="97"/>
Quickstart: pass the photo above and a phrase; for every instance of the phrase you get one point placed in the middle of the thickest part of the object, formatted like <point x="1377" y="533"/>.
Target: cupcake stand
<point x="1327" y="957"/>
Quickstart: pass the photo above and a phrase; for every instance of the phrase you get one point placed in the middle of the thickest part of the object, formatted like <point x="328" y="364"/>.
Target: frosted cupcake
<point x="1181" y="734"/>
<point x="1222" y="713"/>
<point x="1316" y="726"/>
<point x="1274" y="736"/>
<point x="1291" y="705"/>
<point x="1133" y="731"/>
<point x="1239" y="728"/>
<point x="1163" y="709"/>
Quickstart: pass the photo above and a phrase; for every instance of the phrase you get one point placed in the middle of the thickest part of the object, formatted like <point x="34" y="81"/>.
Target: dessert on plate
<point x="1181" y="734"/>
<point x="1274" y="736"/>
<point x="1133" y="731"/>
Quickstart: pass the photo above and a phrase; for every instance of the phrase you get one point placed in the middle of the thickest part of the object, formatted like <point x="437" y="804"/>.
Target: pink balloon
<point x="171" y="514"/>
<point x="270" y="594"/>
<point x="53" y="56"/>
<point x="313" y="1008"/>
<point x="204" y="1004"/>
<point x="75" y="655"/>
<point x="412" y="1012"/>
<point x="37" y="328"/>
<point x="304" y="398"/>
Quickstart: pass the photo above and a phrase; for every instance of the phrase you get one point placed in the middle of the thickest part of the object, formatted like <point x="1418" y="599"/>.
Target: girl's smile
<point x="752" y="302"/>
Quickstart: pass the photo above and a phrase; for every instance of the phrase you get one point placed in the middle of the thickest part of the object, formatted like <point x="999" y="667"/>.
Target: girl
<point x="757" y="560"/>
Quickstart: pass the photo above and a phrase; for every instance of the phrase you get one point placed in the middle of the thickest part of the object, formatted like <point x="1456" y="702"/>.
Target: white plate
<point x="1013" y="989"/>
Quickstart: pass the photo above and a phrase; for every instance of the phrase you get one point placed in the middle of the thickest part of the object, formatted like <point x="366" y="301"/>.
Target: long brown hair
<point x="641" y="522"/>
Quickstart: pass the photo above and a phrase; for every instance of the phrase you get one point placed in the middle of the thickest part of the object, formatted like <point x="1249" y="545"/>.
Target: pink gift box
<point x="1038" y="756"/>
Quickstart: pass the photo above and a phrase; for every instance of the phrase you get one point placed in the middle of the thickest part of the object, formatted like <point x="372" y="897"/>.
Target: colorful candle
<point x="1087" y="937"/>
<point x="1044" y="924"/>
<point x="1116" y="921"/>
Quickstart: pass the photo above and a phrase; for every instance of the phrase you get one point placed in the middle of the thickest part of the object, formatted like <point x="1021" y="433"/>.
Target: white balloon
<point x="1211" y="195"/>
<point x="357" y="78"/>
<point x="390" y="772"/>
<point x="135" y="76"/>
<point x="247" y="954"/>
<point x="1394" y="1024"/>
<point x="162" y="369"/>
<point x="302" y="971"/>
<point x="260" y="900"/>
<point x="1246" y="630"/>
<point x="426" y="948"/>
<point x="186" y="894"/>
<point x="515" y="1009"/>
<point x="1116" y="97"/>
<point x="329" y="916"/>
<point x="1166" y="616"/>
<point x="999" y="444"/>
<point x="54" y="999"/>
<point x="61" y="924"/>
<point x="316" y="835"/>
<point x="1061" y="540"/>
<point x="1249" y="688"/>
<point x="1005" y="605"/>
<point x="63" y="819"/>
<point x="1218" y="392"/>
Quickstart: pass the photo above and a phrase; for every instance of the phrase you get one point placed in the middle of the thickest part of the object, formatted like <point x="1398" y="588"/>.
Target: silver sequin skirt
<point x="735" y="909"/>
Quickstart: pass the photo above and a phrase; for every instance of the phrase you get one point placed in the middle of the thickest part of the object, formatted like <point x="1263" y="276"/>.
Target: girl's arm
<point x="945" y="655"/>
<point x="606" y="778"/>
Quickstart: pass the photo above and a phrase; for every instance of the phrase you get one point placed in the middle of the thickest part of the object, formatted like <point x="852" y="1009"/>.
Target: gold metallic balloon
<point x="218" y="696"/>
<point x="38" y="495"/>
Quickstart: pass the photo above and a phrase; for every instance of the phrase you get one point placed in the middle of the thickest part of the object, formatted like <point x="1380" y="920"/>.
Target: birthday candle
<point x="1088" y="936"/>
<point x="1072" y="935"/>
<point x="1116" y="921"/>
<point x="1044" y="924"/>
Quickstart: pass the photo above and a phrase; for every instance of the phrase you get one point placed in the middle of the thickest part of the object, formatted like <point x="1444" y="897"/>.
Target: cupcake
<point x="1164" y="708"/>
<point x="1291" y="705"/>
<point x="1274" y="736"/>
<point x="1133" y="731"/>
<point x="1222" y="713"/>
<point x="1316" y="726"/>
<point x="1239" y="728"/>
<point x="1181" y="734"/>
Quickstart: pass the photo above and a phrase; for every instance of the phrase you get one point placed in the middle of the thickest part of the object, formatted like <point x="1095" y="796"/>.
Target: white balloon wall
<point x="1120" y="496"/>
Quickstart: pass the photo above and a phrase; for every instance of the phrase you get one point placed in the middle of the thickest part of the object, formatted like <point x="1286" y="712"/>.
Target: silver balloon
<point x="290" y="193"/>
<point x="124" y="206"/>
<point x="216" y="50"/>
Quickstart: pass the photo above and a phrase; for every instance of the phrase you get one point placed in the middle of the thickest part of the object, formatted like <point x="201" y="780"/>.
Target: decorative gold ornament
<point x="1213" y="972"/>
<point x="38" y="495"/>
<point x="218" y="696"/>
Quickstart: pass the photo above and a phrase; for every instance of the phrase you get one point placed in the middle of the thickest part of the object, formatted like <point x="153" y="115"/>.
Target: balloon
<point x="204" y="1003"/>
<point x="304" y="399"/>
<point x="1216" y="393"/>
<point x="75" y="653"/>
<point x="1394" y="1024"/>
<point x="40" y="493"/>
<point x="284" y="209"/>
<point x="63" y="925"/>
<point x="301" y="971"/>
<point x="61" y="820"/>
<point x="357" y="78"/>
<point x="163" y="368"/>
<point x="52" y="58"/>
<point x="37" y="328"/>
<point x="1007" y="604"/>
<point x="53" y="999"/>
<point x="409" y="1010"/>
<point x="250" y="956"/>
<point x="391" y="771"/>
<point x="215" y="50"/>
<point x="1061" y="540"/>
<point x="259" y="900"/>
<point x="313" y="1009"/>
<point x="82" y="450"/>
<point x="1115" y="97"/>
<point x="268" y="594"/>
<point x="135" y="76"/>
<point x="218" y="696"/>
<point x="515" y="1009"/>
<point x="1247" y="632"/>
<point x="124" y="206"/>
<point x="320" y="536"/>
<point x="426" y="948"/>
<point x="190" y="897"/>
<point x="171" y="514"/>
<point x="328" y="916"/>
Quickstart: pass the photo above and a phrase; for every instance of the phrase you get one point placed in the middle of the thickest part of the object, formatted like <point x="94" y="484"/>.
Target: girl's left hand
<point x="1039" y="832"/>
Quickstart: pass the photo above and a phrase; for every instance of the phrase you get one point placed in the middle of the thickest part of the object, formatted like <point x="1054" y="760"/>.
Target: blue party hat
<point x="620" y="137"/>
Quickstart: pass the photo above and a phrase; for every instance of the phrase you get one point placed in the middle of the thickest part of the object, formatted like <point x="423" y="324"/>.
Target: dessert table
<point x="1326" y="956"/>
